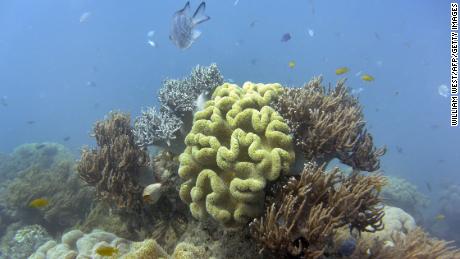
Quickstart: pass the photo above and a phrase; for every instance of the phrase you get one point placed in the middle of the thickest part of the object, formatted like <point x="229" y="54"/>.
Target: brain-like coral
<point x="237" y="143"/>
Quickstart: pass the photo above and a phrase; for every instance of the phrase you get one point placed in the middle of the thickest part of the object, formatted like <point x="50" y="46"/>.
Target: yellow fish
<point x="367" y="77"/>
<point x="107" y="250"/>
<point x="291" y="64"/>
<point x="39" y="203"/>
<point x="440" y="217"/>
<point x="341" y="70"/>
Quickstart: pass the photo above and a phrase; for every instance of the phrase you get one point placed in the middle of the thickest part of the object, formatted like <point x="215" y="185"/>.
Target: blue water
<point x="47" y="57"/>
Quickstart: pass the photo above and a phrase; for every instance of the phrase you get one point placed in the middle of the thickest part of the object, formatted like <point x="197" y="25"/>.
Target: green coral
<point x="237" y="143"/>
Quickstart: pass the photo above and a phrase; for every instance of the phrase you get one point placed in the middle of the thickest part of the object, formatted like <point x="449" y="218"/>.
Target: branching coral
<point x="416" y="244"/>
<point x="237" y="144"/>
<point x="312" y="206"/>
<point x="114" y="167"/>
<point x="178" y="100"/>
<point x="327" y="124"/>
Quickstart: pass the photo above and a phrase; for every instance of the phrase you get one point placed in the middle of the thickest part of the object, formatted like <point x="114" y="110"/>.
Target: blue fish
<point x="183" y="32"/>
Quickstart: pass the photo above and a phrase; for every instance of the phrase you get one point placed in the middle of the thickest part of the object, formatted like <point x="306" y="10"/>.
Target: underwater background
<point x="61" y="72"/>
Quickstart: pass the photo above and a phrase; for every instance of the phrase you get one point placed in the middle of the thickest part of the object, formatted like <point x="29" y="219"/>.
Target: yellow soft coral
<point x="236" y="144"/>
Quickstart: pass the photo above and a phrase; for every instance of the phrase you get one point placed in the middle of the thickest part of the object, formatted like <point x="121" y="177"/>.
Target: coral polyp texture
<point x="328" y="124"/>
<point x="237" y="144"/>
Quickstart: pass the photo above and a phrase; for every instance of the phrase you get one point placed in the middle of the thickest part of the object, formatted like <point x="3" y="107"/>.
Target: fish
<point x="443" y="90"/>
<point x="311" y="32"/>
<point x="3" y="101"/>
<point x="39" y="203"/>
<point x="428" y="186"/>
<point x="236" y="2"/>
<point x="252" y="24"/>
<point x="66" y="138"/>
<point x="286" y="37"/>
<point x="254" y="61"/>
<point x="291" y="64"/>
<point x="341" y="70"/>
<point x="183" y="33"/>
<point x="150" y="40"/>
<point x="377" y="36"/>
<point x="40" y="146"/>
<point x="30" y="122"/>
<point x="106" y="250"/>
<point x="84" y="17"/>
<point x="396" y="93"/>
<point x="440" y="217"/>
<point x="399" y="149"/>
<point x="367" y="78"/>
<point x="91" y="84"/>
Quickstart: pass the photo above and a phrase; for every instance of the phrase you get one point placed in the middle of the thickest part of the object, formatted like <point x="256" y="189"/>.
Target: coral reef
<point x="311" y="207"/>
<point x="237" y="144"/>
<point x="114" y="167"/>
<point x="41" y="155"/>
<point x="415" y="244"/>
<point x="402" y="194"/>
<point x="327" y="124"/>
<point x="448" y="205"/>
<point x="76" y="244"/>
<point x="178" y="101"/>
<point x="22" y="241"/>
<point x="68" y="198"/>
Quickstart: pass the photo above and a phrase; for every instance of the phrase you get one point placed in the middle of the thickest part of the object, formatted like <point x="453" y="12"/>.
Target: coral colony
<point x="219" y="171"/>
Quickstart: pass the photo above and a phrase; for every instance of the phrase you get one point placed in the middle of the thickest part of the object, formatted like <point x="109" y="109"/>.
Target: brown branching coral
<point x="417" y="244"/>
<point x="113" y="168"/>
<point x="329" y="123"/>
<point x="311" y="206"/>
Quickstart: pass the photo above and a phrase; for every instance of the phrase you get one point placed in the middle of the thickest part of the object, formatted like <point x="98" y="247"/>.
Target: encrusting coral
<point x="327" y="124"/>
<point x="237" y="144"/>
<point x="114" y="167"/>
<point x="303" y="218"/>
<point x="178" y="100"/>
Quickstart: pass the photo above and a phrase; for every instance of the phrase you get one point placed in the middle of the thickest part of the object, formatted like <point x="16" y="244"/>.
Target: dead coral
<point x="416" y="244"/>
<point x="329" y="123"/>
<point x="113" y="168"/>
<point x="311" y="206"/>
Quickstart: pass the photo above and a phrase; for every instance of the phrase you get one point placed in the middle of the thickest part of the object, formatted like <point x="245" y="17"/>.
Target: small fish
<point x="377" y="36"/>
<point x="399" y="149"/>
<point x="291" y="64"/>
<point x="84" y="17"/>
<point x="440" y="217"/>
<point x="40" y="146"/>
<point x="396" y="93"/>
<point x="91" y="84"/>
<point x="183" y="33"/>
<point x="341" y="70"/>
<point x="39" y="203"/>
<point x="236" y="2"/>
<point x="3" y="100"/>
<point x="30" y="122"/>
<point x="150" y="40"/>
<point x="106" y="250"/>
<point x="443" y="90"/>
<point x="254" y="61"/>
<point x="66" y="138"/>
<point x="428" y="186"/>
<point x="253" y="24"/>
<point x="367" y="78"/>
<point x="286" y="37"/>
<point x="311" y="32"/>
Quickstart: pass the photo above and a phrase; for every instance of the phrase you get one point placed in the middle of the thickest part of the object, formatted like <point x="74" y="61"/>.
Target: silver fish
<point x="183" y="32"/>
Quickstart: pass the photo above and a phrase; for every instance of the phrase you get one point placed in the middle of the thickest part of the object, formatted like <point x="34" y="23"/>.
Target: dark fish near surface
<point x="40" y="146"/>
<point x="30" y="122"/>
<point x="286" y="37"/>
<point x="183" y="32"/>
<point x="66" y="138"/>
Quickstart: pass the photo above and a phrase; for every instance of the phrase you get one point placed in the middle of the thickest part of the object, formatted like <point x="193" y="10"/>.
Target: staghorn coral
<point x="178" y="101"/>
<point x="415" y="244"/>
<point x="114" y="167"/>
<point x="68" y="199"/>
<point x="237" y="144"/>
<point x="303" y="219"/>
<point x="327" y="124"/>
